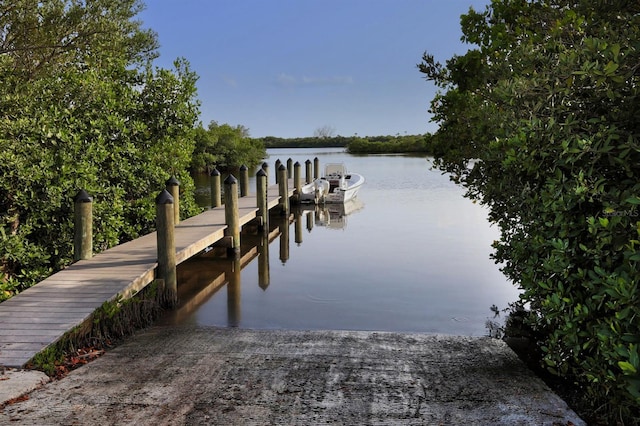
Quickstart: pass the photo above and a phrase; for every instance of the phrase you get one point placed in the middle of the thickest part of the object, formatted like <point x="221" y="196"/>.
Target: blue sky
<point x="288" y="67"/>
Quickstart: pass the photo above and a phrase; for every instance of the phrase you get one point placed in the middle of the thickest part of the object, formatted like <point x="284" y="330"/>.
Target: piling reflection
<point x="233" y="293"/>
<point x="200" y="278"/>
<point x="284" y="238"/>
<point x="263" y="262"/>
<point x="298" y="229"/>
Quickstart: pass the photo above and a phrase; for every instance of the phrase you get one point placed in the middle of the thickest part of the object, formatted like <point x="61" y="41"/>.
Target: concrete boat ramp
<point x="190" y="375"/>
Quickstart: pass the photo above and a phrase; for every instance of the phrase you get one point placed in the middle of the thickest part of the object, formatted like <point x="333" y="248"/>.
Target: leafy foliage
<point x="226" y="147"/>
<point x="81" y="107"/>
<point x="390" y="144"/>
<point x="541" y="123"/>
<point x="305" y="142"/>
<point x="358" y="145"/>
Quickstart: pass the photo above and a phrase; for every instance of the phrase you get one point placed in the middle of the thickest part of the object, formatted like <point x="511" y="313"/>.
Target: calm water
<point x="413" y="255"/>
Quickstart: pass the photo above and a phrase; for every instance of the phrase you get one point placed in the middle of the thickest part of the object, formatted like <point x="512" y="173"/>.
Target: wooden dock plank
<point x="40" y="326"/>
<point x="40" y="316"/>
<point x="70" y="310"/>
<point x="27" y="314"/>
<point x="42" y="338"/>
<point x="34" y="334"/>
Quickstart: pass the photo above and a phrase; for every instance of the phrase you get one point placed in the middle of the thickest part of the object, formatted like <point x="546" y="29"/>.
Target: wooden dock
<point x="42" y="314"/>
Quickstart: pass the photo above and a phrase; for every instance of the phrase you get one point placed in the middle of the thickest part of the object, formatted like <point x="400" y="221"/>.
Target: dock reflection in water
<point x="206" y="275"/>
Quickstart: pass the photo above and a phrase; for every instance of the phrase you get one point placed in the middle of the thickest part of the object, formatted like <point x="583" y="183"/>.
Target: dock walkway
<point x="42" y="314"/>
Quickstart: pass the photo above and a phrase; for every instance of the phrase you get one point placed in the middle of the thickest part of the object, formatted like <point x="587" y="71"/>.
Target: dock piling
<point x="231" y="215"/>
<point x="216" y="192"/>
<point x="289" y="168"/>
<point x="261" y="195"/>
<point x="308" y="178"/>
<point x="297" y="181"/>
<point x="278" y="164"/>
<point x="283" y="186"/>
<point x="83" y="226"/>
<point x="173" y="186"/>
<point x="316" y="168"/>
<point x="166" y="272"/>
<point x="265" y="167"/>
<point x="244" y="181"/>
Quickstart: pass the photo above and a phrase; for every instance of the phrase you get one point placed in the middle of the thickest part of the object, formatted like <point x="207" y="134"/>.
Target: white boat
<point x="336" y="186"/>
<point x="343" y="186"/>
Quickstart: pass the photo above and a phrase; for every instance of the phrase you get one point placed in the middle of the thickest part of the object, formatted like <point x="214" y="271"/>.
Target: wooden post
<point x="83" y="226"/>
<point x="244" y="181"/>
<point x="166" y="272"/>
<point x="278" y="164"/>
<point x="283" y="186"/>
<point x="289" y="168"/>
<point x="316" y="168"/>
<point x="297" y="180"/>
<point x="173" y="186"/>
<point x="261" y="195"/>
<point x="308" y="178"/>
<point x="216" y="197"/>
<point x="265" y="167"/>
<point x="231" y="215"/>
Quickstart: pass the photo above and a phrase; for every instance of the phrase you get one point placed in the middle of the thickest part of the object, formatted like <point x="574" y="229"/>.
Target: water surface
<point x="413" y="256"/>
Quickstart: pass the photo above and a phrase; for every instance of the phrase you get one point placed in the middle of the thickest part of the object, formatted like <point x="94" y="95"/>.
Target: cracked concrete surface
<point x="191" y="375"/>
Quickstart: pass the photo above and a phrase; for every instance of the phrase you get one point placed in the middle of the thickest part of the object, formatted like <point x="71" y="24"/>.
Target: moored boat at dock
<point x="336" y="186"/>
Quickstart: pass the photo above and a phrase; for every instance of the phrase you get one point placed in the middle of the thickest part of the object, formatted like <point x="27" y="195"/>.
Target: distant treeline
<point x="306" y="142"/>
<point x="356" y="144"/>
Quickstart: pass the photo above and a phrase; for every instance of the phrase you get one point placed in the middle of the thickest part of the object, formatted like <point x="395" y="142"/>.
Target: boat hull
<point x="336" y="186"/>
<point x="342" y="195"/>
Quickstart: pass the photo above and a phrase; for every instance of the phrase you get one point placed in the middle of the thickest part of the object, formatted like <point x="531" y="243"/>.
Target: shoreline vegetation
<point x="227" y="147"/>
<point x="390" y="144"/>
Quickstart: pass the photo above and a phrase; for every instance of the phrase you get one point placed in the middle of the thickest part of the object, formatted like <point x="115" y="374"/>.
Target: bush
<point x="540" y="123"/>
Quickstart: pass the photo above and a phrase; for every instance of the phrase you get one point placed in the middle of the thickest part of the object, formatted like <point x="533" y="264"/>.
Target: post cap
<point x="82" y="197"/>
<point x="261" y="173"/>
<point x="164" y="198"/>
<point x="214" y="172"/>
<point x="230" y="180"/>
<point x="172" y="182"/>
<point x="307" y="162"/>
<point x="282" y="167"/>
<point x="265" y="165"/>
<point x="297" y="164"/>
<point x="243" y="168"/>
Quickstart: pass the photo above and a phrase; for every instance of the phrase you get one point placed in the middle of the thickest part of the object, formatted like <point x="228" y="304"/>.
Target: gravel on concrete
<point x="191" y="375"/>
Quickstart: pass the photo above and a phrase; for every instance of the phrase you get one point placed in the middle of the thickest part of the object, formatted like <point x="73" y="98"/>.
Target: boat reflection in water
<point x="334" y="216"/>
<point x="203" y="276"/>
